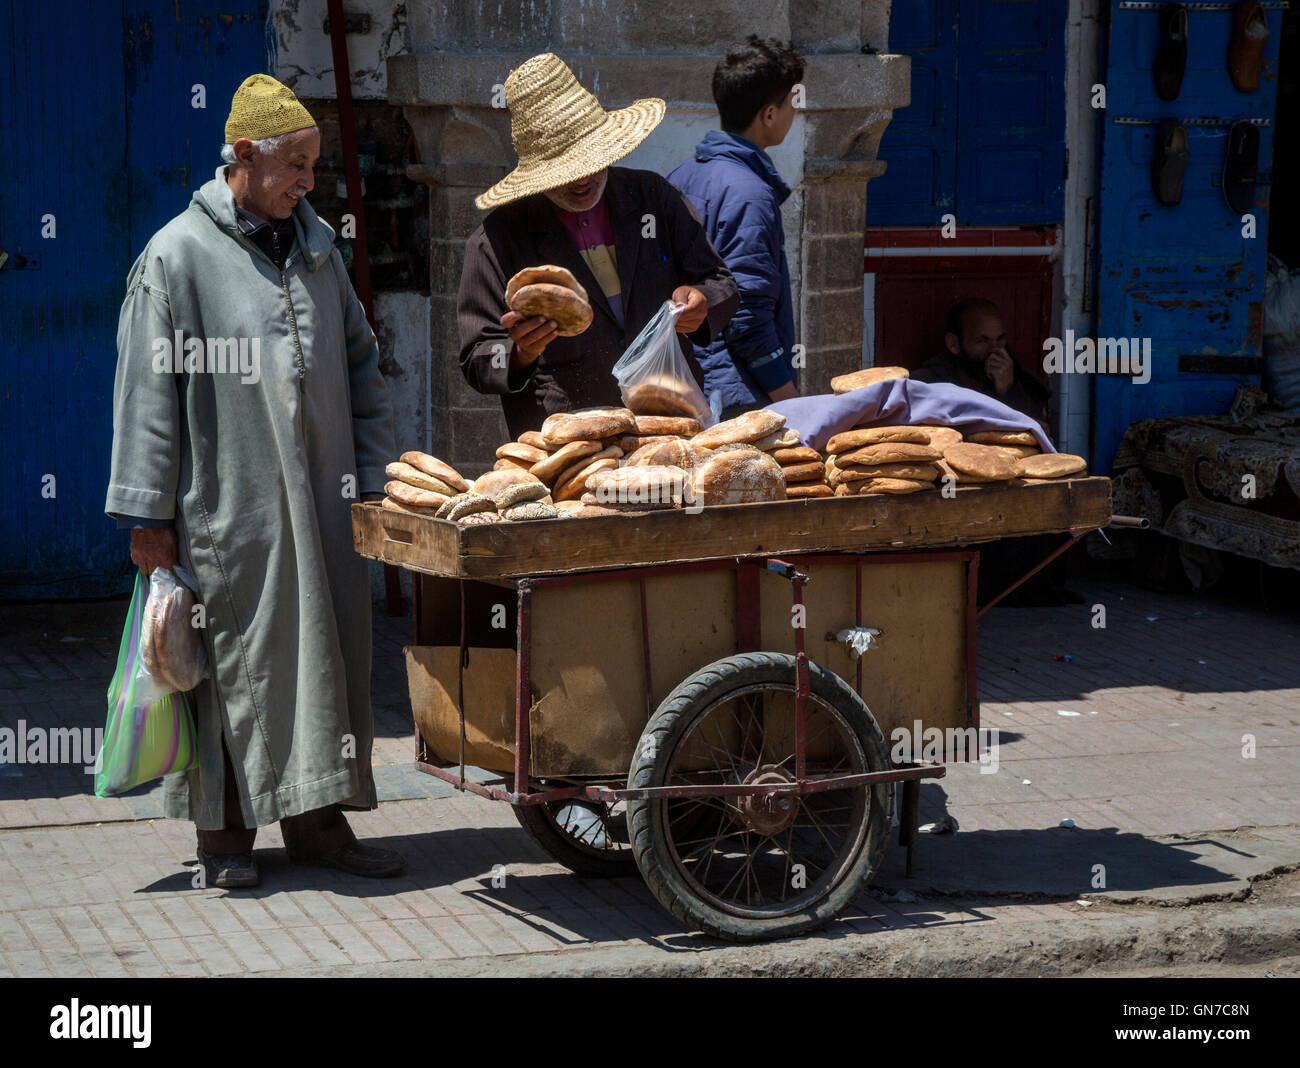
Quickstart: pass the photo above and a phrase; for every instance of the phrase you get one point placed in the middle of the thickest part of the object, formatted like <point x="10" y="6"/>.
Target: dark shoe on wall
<point x="1171" y="60"/>
<point x="1169" y="162"/>
<point x="1241" y="167"/>
<point x="1246" y="48"/>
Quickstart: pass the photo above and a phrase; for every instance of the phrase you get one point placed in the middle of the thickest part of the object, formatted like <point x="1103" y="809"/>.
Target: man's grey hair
<point x="264" y="146"/>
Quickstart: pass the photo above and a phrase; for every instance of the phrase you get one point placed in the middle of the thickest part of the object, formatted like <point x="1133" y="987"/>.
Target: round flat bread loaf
<point x="413" y="476"/>
<point x="803" y="472"/>
<point x="1017" y="452"/>
<point x="599" y="511"/>
<point x="509" y="463"/>
<point x="535" y="439"/>
<point x="573" y="483"/>
<point x="562" y="459"/>
<point x="1051" y="465"/>
<point x="671" y="452"/>
<point x="591" y="424"/>
<point x="410" y="495"/>
<point x="797" y="454"/>
<point x="431" y="465"/>
<point x="166" y="633"/>
<point x="1003" y="437"/>
<point x="465" y="504"/>
<point x="548" y="273"/>
<point x="922" y="472"/>
<point x="874" y="435"/>
<point x="749" y="427"/>
<point x="737" y="476"/>
<point x="520" y="493"/>
<point x="655" y="486"/>
<point x="529" y="511"/>
<point x="808" y="489"/>
<point x="780" y="439"/>
<point x="882" y="485"/>
<point x="629" y="443"/>
<point x="942" y="436"/>
<point x="515" y="450"/>
<point x="495" y="481"/>
<point x="479" y="519"/>
<point x="888" y="452"/>
<point x="660" y="425"/>
<point x="868" y="376"/>
<point x="397" y="506"/>
<point x="979" y="463"/>
<point x="667" y="396"/>
<point x="570" y="312"/>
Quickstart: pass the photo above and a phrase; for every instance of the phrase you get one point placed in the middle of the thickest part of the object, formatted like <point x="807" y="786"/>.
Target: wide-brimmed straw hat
<point x="560" y="131"/>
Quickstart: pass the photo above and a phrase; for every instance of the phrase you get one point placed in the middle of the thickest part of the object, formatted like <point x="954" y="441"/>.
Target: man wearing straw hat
<point x="249" y="414"/>
<point x="628" y="236"/>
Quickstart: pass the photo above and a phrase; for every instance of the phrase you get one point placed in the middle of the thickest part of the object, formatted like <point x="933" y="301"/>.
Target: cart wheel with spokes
<point x="758" y="867"/>
<point x="587" y="837"/>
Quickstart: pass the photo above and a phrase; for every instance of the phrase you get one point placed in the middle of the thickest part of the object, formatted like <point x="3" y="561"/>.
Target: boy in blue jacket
<point x="738" y="194"/>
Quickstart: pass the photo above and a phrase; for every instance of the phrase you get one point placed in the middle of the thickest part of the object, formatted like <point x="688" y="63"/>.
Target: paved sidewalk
<point x="1150" y="767"/>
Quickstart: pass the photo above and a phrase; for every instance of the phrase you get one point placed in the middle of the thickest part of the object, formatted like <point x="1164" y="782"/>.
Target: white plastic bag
<point x="172" y="656"/>
<point x="653" y="375"/>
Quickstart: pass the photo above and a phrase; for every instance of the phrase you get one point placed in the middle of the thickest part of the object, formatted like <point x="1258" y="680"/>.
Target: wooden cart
<point x="672" y="692"/>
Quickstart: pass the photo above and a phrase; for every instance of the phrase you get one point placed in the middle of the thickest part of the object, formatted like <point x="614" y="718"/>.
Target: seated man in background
<point x="977" y="359"/>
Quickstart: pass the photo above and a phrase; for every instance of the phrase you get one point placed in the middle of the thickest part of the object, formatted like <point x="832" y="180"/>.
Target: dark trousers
<point x="307" y="836"/>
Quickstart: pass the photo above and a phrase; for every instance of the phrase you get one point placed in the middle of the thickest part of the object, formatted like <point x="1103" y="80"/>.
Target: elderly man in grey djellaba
<point x="249" y="413"/>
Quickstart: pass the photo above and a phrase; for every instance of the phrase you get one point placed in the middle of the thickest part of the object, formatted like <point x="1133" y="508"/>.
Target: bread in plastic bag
<point x="172" y="657"/>
<point x="653" y="375"/>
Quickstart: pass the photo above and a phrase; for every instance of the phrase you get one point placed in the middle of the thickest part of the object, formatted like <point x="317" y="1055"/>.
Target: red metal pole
<point x="523" y="687"/>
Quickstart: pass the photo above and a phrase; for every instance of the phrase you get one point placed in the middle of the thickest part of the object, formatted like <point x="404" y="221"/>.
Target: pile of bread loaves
<point x="908" y="459"/>
<point x="604" y="461"/>
<point x="608" y="461"/>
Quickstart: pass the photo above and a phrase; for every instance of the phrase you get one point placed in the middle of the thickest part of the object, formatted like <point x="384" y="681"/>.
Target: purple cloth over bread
<point x="900" y="402"/>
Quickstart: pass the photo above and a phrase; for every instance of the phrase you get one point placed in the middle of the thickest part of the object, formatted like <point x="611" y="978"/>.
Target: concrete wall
<point x="1075" y="299"/>
<point x="303" y="58"/>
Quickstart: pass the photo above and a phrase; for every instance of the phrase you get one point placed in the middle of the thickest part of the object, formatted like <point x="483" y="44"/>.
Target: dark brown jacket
<point x="576" y="372"/>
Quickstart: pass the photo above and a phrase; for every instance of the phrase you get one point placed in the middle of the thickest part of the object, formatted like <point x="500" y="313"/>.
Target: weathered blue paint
<point x="1183" y="276"/>
<point x="98" y="121"/>
<point x="984" y="136"/>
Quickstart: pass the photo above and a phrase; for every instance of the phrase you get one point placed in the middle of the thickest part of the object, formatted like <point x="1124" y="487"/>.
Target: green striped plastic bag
<point x="142" y="742"/>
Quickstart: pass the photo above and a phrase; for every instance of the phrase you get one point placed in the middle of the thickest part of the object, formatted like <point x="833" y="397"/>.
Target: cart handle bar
<point x="794" y="789"/>
<point x="786" y="570"/>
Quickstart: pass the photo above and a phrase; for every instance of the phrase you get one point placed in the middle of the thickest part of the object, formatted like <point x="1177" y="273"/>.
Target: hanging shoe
<point x="1171" y="60"/>
<point x="1241" y="167"/>
<point x="1246" y="48"/>
<point x="1169" y="162"/>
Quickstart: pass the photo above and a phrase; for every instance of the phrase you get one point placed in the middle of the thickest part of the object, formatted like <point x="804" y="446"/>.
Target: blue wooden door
<point x="919" y="185"/>
<point x="1185" y="276"/>
<point x="984" y="136"/>
<point x="92" y="173"/>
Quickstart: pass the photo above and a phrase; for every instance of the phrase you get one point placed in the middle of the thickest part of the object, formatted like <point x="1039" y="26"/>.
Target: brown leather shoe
<point x="230" y="871"/>
<point x="373" y="862"/>
<point x="1246" y="47"/>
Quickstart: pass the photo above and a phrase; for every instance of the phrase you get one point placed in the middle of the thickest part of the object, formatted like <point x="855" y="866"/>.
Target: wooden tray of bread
<point x="870" y="523"/>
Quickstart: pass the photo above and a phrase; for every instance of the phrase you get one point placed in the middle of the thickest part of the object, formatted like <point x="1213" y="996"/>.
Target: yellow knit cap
<point x="263" y="107"/>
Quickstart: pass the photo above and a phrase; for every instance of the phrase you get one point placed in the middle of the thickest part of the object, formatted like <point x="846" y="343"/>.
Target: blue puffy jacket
<point x="733" y="185"/>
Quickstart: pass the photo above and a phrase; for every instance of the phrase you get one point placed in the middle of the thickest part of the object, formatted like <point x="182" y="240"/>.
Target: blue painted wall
<point x="96" y="113"/>
<point x="984" y="136"/>
<point x="1184" y="276"/>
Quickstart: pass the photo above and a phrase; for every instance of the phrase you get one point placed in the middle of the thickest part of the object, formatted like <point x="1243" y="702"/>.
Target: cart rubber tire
<point x="653" y="755"/>
<point x="542" y="828"/>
